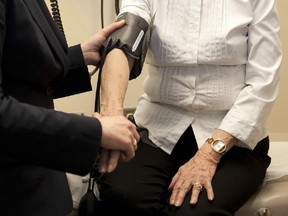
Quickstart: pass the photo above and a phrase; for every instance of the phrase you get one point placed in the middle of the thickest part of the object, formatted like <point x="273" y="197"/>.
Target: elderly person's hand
<point x="198" y="172"/>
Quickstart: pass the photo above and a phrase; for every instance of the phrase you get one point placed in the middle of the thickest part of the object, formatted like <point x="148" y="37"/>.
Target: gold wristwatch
<point x="217" y="145"/>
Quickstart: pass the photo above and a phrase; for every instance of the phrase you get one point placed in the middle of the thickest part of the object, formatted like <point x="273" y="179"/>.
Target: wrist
<point x="217" y="145"/>
<point x="85" y="53"/>
<point x="213" y="156"/>
<point x="111" y="110"/>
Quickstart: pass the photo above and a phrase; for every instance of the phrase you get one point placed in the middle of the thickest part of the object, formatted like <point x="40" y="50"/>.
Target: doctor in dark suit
<point x="38" y="144"/>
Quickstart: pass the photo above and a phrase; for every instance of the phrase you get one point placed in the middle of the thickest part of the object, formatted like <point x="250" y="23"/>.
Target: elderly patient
<point x="213" y="76"/>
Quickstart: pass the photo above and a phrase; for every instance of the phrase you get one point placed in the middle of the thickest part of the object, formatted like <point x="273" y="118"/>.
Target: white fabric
<point x="204" y="70"/>
<point x="77" y="188"/>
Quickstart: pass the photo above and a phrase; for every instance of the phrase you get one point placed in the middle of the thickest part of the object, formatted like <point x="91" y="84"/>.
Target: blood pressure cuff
<point x="132" y="38"/>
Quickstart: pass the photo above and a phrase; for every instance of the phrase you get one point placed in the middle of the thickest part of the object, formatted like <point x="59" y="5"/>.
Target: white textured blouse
<point x="213" y="64"/>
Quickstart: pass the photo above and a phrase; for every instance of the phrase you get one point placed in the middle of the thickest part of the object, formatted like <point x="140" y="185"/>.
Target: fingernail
<point x="101" y="169"/>
<point x="177" y="203"/>
<point x="110" y="168"/>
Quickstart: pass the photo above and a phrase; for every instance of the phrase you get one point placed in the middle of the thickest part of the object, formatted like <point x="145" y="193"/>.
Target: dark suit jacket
<point x="37" y="144"/>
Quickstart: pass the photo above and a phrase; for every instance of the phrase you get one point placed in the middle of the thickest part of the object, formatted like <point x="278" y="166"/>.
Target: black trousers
<point x="139" y="187"/>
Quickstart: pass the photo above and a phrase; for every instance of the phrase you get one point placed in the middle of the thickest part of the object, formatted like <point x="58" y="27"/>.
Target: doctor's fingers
<point x="117" y="132"/>
<point x="108" y="160"/>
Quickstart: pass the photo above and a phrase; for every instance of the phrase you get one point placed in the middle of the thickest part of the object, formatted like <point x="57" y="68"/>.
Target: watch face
<point x="219" y="146"/>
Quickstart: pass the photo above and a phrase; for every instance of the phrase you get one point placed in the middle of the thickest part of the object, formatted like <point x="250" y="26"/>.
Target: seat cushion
<point x="272" y="196"/>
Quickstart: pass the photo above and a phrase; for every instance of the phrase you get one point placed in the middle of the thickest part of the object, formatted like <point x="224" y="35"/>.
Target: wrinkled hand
<point x="119" y="141"/>
<point x="91" y="48"/>
<point x="198" y="172"/>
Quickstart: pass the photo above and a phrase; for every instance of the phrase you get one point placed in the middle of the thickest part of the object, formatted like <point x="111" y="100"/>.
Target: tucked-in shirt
<point x="212" y="64"/>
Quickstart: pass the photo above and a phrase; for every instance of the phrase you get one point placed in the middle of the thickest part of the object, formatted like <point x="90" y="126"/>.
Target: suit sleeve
<point x="77" y="79"/>
<point x="44" y="137"/>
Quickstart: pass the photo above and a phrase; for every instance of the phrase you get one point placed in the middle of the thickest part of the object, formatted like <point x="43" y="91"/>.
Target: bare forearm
<point x="114" y="83"/>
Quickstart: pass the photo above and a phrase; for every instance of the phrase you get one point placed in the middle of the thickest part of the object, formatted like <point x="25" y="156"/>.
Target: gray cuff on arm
<point x="132" y="38"/>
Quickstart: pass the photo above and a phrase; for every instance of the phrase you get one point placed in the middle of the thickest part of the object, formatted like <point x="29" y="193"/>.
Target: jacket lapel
<point x="53" y="35"/>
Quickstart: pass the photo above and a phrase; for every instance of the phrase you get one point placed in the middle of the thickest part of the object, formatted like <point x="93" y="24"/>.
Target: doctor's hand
<point x="119" y="141"/>
<point x="91" y="48"/>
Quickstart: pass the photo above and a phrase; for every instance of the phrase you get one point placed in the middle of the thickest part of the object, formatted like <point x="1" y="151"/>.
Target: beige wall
<point x="82" y="18"/>
<point x="278" y="120"/>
